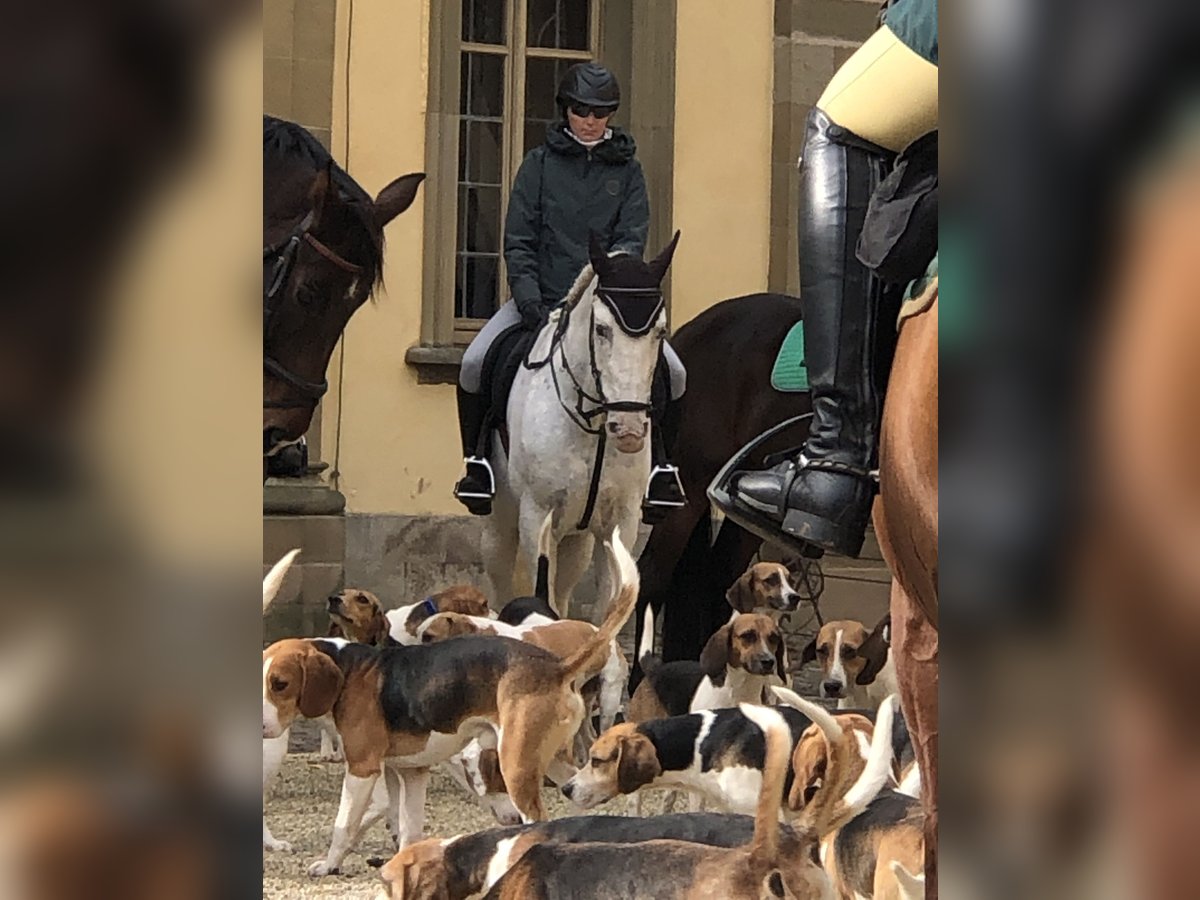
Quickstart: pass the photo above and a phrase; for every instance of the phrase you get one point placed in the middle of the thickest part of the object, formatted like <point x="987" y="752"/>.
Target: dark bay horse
<point x="729" y="351"/>
<point x="322" y="258"/>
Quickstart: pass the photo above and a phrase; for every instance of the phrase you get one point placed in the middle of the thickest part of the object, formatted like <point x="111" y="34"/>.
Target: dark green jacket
<point x="915" y="22"/>
<point x="563" y="191"/>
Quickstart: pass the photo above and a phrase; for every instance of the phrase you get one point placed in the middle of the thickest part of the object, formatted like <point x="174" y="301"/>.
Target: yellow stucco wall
<point x="398" y="446"/>
<point x="722" y="173"/>
<point x="398" y="441"/>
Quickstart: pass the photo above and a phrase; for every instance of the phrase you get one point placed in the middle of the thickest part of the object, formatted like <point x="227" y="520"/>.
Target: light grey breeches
<point x="470" y="376"/>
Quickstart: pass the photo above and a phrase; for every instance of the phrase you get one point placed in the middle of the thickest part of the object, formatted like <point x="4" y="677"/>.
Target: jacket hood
<point x="620" y="148"/>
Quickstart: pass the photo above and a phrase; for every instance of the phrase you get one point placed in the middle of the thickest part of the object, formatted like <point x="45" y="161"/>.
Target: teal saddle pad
<point x="789" y="375"/>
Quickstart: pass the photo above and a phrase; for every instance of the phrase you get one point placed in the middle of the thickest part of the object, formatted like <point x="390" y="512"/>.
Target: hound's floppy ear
<point x="740" y="594"/>
<point x="810" y="652"/>
<point x="378" y="627"/>
<point x="781" y="657"/>
<point x="321" y="686"/>
<point x="397" y="197"/>
<point x="875" y="650"/>
<point x="638" y="765"/>
<point x="715" y="657"/>
<point x="659" y="265"/>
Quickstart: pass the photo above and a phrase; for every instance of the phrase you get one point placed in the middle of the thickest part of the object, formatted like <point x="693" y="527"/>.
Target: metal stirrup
<point x="470" y="495"/>
<point x="673" y="471"/>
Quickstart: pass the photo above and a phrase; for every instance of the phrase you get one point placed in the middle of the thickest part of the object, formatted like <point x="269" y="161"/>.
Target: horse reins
<point x="282" y="259"/>
<point x="600" y="404"/>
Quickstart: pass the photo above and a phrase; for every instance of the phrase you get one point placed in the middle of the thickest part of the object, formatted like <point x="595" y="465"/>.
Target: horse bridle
<point x="599" y="403"/>
<point x="278" y="261"/>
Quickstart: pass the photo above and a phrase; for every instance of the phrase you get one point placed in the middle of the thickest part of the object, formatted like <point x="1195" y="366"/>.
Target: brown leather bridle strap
<point x="330" y="255"/>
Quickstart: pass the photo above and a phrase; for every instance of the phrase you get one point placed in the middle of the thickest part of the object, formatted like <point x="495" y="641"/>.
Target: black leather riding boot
<point x="477" y="487"/>
<point x="664" y="490"/>
<point x="823" y="496"/>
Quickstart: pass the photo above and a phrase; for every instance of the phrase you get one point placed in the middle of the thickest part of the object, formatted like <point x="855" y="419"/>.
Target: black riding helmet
<point x="589" y="84"/>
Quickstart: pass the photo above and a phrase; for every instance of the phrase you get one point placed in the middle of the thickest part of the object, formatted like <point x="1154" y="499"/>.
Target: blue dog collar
<point x="430" y="607"/>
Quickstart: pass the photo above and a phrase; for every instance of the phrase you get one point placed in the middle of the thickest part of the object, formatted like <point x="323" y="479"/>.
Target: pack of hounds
<point x="807" y="803"/>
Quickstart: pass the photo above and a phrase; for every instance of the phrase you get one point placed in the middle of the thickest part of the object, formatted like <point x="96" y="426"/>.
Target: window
<point x="494" y="66"/>
<point x="512" y="54"/>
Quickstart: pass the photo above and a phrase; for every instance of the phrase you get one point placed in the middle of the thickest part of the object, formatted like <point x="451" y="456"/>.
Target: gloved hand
<point x="533" y="314"/>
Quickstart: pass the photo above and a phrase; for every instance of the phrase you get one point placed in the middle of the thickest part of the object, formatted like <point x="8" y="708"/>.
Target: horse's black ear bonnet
<point x="636" y="309"/>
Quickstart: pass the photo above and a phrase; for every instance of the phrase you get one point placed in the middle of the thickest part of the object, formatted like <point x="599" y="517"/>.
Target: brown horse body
<point x="906" y="521"/>
<point x="729" y="351"/>
<point x="334" y="265"/>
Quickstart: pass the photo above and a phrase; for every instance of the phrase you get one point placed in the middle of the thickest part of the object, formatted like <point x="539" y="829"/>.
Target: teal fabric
<point x="915" y="22"/>
<point x="562" y="193"/>
<point x="789" y="375"/>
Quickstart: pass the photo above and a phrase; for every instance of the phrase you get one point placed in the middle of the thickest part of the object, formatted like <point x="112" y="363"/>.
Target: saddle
<point x="504" y="358"/>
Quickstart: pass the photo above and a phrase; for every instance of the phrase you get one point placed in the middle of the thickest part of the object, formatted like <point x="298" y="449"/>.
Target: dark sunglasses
<point x="600" y="112"/>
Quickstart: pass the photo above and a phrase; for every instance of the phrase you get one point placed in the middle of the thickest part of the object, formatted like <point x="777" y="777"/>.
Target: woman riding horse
<point x="882" y="99"/>
<point x="583" y="180"/>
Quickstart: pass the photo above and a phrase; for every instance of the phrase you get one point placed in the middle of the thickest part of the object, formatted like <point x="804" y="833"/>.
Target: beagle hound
<point x="718" y="754"/>
<point x="413" y="706"/>
<point x="856" y="665"/>
<point x="875" y="851"/>
<point x="737" y="665"/>
<point x="871" y="855"/>
<point x="562" y="638"/>
<point x="465" y="866"/>
<point x="764" y="585"/>
<point x="664" y="869"/>
<point x="404" y="621"/>
<point x="810" y="758"/>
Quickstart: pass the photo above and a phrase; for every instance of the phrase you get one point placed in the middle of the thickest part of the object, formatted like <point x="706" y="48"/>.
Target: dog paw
<point x="321" y="868"/>
<point x="277" y="846"/>
<point x="331" y="756"/>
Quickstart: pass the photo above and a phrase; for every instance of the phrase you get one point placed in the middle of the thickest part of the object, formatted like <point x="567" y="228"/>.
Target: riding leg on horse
<point x="597" y="186"/>
<point x="877" y="104"/>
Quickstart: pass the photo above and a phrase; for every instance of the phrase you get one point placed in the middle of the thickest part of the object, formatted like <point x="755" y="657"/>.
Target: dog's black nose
<point x="568" y="789"/>
<point x="832" y="688"/>
<point x="333" y="600"/>
<point x="764" y="663"/>
<point x="789" y="602"/>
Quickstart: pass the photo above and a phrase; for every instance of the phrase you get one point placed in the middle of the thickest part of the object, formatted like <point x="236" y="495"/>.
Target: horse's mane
<point x="288" y="142"/>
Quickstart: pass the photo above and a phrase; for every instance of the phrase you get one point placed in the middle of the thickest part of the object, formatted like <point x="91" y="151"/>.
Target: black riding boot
<point x="823" y="496"/>
<point x="477" y="487"/>
<point x="664" y="490"/>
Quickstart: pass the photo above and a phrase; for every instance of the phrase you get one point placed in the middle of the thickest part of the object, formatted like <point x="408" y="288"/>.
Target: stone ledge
<point x="435" y="364"/>
<point x="301" y="498"/>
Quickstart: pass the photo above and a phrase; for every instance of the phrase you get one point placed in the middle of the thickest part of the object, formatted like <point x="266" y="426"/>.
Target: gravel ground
<point x="302" y="805"/>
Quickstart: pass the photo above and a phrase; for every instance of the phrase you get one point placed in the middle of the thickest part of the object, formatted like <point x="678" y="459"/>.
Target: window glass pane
<point x="480" y="151"/>
<point x="475" y="286"/>
<point x="479" y="219"/>
<point x="558" y="23"/>
<point x="482" y="85"/>
<point x="483" y="21"/>
<point x="541" y="84"/>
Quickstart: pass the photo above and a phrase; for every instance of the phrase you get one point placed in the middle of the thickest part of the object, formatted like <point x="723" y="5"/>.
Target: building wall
<point x="812" y="40"/>
<point x="398" y="448"/>
<point x="722" y="185"/>
<point x="298" y="62"/>
<point x="356" y="72"/>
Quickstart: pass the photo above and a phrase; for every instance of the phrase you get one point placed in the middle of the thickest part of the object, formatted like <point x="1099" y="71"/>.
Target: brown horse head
<point x="322" y="258"/>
